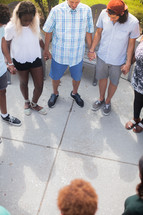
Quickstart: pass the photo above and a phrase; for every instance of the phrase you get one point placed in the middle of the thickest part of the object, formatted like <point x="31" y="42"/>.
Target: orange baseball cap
<point x="118" y="6"/>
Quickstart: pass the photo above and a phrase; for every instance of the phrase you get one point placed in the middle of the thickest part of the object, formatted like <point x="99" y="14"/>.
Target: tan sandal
<point x="27" y="108"/>
<point x="129" y="125"/>
<point x="38" y="108"/>
<point x="138" y="128"/>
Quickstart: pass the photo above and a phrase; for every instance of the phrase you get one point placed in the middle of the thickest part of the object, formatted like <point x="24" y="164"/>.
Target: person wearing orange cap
<point x="117" y="31"/>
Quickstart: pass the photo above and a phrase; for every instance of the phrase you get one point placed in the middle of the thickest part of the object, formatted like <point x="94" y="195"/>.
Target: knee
<point x="3" y="92"/>
<point x="23" y="84"/>
<point x="39" y="89"/>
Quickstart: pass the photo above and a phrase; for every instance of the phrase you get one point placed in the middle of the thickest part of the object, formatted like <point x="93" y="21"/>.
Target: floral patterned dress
<point x="137" y="80"/>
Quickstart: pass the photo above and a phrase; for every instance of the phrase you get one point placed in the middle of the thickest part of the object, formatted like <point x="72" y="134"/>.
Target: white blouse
<point x="24" y="46"/>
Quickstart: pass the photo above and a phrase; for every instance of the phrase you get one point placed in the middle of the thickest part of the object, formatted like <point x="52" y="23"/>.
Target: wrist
<point x="128" y="63"/>
<point x="10" y="64"/>
<point x="90" y="51"/>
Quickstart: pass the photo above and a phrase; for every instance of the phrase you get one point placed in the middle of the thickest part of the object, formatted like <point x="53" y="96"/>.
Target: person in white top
<point x="23" y="36"/>
<point x="4" y="55"/>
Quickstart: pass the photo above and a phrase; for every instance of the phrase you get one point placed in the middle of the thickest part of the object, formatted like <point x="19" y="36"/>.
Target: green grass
<point x="134" y="6"/>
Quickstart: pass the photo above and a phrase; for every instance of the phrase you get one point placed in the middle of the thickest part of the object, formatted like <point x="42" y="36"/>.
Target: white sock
<point x="4" y="115"/>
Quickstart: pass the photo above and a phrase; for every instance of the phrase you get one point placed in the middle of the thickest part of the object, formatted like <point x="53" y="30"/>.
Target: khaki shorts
<point x="3" y="81"/>
<point x="103" y="71"/>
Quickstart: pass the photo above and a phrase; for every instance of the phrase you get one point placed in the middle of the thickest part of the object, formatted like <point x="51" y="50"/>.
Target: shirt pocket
<point x="122" y="35"/>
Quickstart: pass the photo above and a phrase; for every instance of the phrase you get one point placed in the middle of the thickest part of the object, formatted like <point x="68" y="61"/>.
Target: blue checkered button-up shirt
<point x="69" y="29"/>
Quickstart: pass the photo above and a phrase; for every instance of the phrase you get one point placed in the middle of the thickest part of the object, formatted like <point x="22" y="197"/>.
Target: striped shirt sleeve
<point x="50" y="22"/>
<point x="90" y="26"/>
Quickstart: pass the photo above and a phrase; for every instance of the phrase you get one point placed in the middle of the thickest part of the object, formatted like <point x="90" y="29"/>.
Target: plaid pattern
<point x="69" y="29"/>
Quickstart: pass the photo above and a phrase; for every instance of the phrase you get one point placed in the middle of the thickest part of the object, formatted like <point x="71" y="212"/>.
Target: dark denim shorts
<point x="27" y="65"/>
<point x="3" y="81"/>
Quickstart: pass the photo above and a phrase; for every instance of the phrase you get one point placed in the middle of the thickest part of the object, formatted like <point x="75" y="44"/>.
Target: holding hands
<point x="125" y="68"/>
<point x="47" y="55"/>
<point x="91" y="55"/>
<point x="11" y="68"/>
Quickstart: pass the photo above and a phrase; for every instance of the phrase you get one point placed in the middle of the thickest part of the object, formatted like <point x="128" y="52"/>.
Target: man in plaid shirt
<point x="68" y="24"/>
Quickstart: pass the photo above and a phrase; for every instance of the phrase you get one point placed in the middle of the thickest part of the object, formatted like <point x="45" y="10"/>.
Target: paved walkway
<point x="47" y="152"/>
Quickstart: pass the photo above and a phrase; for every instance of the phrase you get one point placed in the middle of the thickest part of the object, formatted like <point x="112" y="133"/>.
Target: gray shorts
<point x="103" y="71"/>
<point x="3" y="81"/>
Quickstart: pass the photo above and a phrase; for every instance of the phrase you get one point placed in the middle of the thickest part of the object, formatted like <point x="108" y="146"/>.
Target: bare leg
<point x="3" y="107"/>
<point x="102" y="88"/>
<point x="37" y="76"/>
<point x="24" y="77"/>
<point x="55" y="84"/>
<point x="75" y="86"/>
<point x="111" y="90"/>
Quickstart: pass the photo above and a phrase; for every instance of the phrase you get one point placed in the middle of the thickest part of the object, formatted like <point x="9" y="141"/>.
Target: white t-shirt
<point x="25" y="46"/>
<point x="3" y="67"/>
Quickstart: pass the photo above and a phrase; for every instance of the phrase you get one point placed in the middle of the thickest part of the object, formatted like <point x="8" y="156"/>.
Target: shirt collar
<point x="71" y="10"/>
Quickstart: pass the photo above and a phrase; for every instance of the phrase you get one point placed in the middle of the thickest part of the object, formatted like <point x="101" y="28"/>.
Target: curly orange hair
<point x="78" y="198"/>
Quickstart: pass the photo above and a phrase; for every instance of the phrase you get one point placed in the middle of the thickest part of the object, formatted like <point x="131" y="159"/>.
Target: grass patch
<point x="134" y="6"/>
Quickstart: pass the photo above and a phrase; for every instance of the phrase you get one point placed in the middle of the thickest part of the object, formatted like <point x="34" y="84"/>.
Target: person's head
<point x="4" y="14"/>
<point x="26" y="12"/>
<point x="140" y="186"/>
<point x="24" y="15"/>
<point x="117" y="11"/>
<point x="77" y="198"/>
<point x="73" y="3"/>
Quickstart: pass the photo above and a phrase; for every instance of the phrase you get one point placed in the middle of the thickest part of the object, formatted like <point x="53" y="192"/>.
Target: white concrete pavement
<point x="47" y="152"/>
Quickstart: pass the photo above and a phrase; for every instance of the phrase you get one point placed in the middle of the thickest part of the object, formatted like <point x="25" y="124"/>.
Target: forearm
<point x="89" y="39"/>
<point x="48" y="37"/>
<point x="42" y="45"/>
<point x="6" y="51"/>
<point x="96" y="39"/>
<point x="130" y="51"/>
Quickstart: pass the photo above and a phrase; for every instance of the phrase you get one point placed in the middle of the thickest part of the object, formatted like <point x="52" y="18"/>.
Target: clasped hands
<point x="47" y="55"/>
<point x="125" y="68"/>
<point x="11" y="69"/>
<point x="91" y="55"/>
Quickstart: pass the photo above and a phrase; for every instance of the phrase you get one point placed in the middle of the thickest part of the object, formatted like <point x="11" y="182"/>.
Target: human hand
<point x="125" y="68"/>
<point x="47" y="55"/>
<point x="11" y="69"/>
<point x="91" y="55"/>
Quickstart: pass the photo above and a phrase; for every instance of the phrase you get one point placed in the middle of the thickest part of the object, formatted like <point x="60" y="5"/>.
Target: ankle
<point x="56" y="93"/>
<point x="136" y="119"/>
<point x="101" y="99"/>
<point x="74" y="92"/>
<point x="4" y="115"/>
<point x="33" y="104"/>
<point x="107" y="102"/>
<point x="27" y="101"/>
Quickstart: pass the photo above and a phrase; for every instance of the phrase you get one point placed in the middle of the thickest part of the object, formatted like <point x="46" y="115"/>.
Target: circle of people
<point x="67" y="26"/>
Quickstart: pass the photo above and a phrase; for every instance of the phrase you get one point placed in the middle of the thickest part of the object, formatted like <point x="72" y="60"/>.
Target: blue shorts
<point x="57" y="70"/>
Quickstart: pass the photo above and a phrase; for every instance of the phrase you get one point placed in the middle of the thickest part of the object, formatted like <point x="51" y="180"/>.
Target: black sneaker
<point x="78" y="100"/>
<point x="11" y="120"/>
<point x="52" y="100"/>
